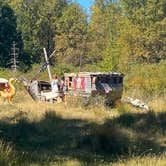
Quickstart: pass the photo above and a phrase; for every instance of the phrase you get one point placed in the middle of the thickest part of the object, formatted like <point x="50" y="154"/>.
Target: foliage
<point x="149" y="17"/>
<point x="125" y="31"/>
<point x="118" y="33"/>
<point x="147" y="81"/>
<point x="71" y="36"/>
<point x="8" y="34"/>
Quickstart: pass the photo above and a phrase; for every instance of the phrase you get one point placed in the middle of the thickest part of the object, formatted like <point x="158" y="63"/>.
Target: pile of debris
<point x="137" y="103"/>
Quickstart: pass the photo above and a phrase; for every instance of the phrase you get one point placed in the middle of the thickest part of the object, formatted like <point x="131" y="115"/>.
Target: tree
<point x="37" y="21"/>
<point x="105" y="33"/>
<point x="8" y="34"/>
<point x="71" y="35"/>
<point x="149" y="17"/>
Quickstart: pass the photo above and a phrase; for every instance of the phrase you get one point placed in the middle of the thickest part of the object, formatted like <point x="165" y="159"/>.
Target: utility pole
<point x="48" y="66"/>
<point x="82" y="48"/>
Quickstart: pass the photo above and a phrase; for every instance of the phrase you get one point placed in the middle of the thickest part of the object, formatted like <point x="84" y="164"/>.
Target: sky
<point x="86" y="4"/>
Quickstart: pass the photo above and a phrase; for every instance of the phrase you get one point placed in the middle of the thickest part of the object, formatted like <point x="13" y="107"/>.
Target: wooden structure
<point x="93" y="84"/>
<point x="80" y="85"/>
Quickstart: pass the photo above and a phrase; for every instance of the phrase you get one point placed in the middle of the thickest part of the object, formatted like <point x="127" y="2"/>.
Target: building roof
<point x="94" y="74"/>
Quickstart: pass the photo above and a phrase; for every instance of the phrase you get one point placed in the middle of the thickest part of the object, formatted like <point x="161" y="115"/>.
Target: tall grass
<point x="149" y="160"/>
<point x="147" y="82"/>
<point x="44" y="134"/>
<point x="47" y="134"/>
<point x="7" y="155"/>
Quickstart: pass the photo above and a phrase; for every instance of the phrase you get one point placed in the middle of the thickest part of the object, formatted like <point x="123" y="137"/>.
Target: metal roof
<point x="94" y="74"/>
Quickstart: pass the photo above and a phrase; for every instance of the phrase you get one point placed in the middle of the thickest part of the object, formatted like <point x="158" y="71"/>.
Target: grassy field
<point x="44" y="134"/>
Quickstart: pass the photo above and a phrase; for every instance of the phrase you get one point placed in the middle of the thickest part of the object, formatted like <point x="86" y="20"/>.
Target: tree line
<point x="118" y="32"/>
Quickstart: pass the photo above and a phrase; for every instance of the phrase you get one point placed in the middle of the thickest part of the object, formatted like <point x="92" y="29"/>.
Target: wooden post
<point x="48" y="66"/>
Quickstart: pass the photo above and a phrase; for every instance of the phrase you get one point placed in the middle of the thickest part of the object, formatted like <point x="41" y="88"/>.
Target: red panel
<point x="75" y="83"/>
<point x="82" y="83"/>
<point x="79" y="83"/>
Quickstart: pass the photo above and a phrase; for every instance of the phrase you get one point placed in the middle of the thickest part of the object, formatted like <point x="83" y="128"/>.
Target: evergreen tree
<point x="8" y="34"/>
<point x="37" y="21"/>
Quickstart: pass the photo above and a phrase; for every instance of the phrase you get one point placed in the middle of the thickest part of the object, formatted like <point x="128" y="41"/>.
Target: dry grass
<point x="35" y="111"/>
<point x="7" y="154"/>
<point x="159" y="160"/>
<point x="123" y="134"/>
<point x="159" y="105"/>
<point x="26" y="113"/>
<point x="61" y="134"/>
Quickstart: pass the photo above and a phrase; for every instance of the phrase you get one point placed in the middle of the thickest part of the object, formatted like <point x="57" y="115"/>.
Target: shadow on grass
<point x="54" y="138"/>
